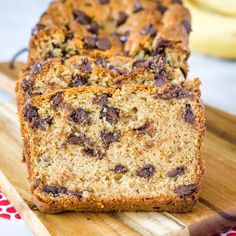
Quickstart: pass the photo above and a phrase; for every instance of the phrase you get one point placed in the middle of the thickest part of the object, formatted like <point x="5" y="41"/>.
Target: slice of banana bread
<point x="133" y="148"/>
<point x="79" y="71"/>
<point x="130" y="28"/>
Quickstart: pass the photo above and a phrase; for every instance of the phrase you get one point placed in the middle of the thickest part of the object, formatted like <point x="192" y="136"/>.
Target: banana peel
<point x="213" y="34"/>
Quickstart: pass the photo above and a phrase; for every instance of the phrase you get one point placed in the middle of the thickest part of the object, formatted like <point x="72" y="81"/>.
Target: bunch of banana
<point x="214" y="27"/>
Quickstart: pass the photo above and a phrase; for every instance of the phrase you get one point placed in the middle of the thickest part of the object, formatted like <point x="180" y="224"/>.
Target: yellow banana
<point x="213" y="34"/>
<point x="227" y="7"/>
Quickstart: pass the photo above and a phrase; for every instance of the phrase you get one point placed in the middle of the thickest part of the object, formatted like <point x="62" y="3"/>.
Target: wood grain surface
<point x="215" y="211"/>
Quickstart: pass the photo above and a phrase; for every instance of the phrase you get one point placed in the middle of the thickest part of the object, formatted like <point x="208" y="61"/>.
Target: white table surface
<point x="17" y="17"/>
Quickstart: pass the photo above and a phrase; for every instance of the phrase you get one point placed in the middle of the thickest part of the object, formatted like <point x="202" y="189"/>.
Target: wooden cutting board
<point x="215" y="211"/>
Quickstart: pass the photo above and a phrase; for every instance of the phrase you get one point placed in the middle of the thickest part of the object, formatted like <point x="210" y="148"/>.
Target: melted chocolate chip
<point x="101" y="100"/>
<point x="80" y="140"/>
<point x="148" y="30"/>
<point x="143" y="127"/>
<point x="110" y="137"/>
<point x="80" y="116"/>
<point x="93" y="153"/>
<point x="122" y="17"/>
<point x="36" y="68"/>
<point x="159" y="81"/>
<point x="69" y="36"/>
<point x="27" y="85"/>
<point x="93" y="28"/>
<point x="56" y="98"/>
<point x="187" y="26"/>
<point x="89" y="152"/>
<point x="137" y="7"/>
<point x="162" y="9"/>
<point x="30" y="112"/>
<point x="123" y="37"/>
<point x="81" y="17"/>
<point x="78" y="80"/>
<point x="85" y="66"/>
<point x="188" y="114"/>
<point x="78" y="194"/>
<point x="103" y="1"/>
<point x="146" y="172"/>
<point x="161" y="44"/>
<point x="103" y="43"/>
<point x="120" y="169"/>
<point x="177" y="1"/>
<point x="184" y="191"/>
<point x="174" y="92"/>
<point x="101" y="62"/>
<point x="110" y="114"/>
<point x="90" y="41"/>
<point x="140" y="63"/>
<point x="176" y="172"/>
<point x="55" y="190"/>
<point x="37" y="28"/>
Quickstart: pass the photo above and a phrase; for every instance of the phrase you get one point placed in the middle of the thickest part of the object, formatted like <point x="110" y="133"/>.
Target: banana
<point x="227" y="7"/>
<point x="213" y="34"/>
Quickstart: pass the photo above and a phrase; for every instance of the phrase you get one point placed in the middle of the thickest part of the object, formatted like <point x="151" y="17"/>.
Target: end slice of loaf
<point x="134" y="148"/>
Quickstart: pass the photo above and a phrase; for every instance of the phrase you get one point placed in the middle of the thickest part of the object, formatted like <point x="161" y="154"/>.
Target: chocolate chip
<point x="55" y="190"/>
<point x="161" y="44"/>
<point x="103" y="43"/>
<point x="177" y="1"/>
<point x="101" y="62"/>
<point x="174" y="92"/>
<point x="56" y="98"/>
<point x="110" y="137"/>
<point x="78" y="194"/>
<point x="37" y="28"/>
<point x="110" y="114"/>
<point x="36" y="68"/>
<point x="176" y="172"/>
<point x="93" y="28"/>
<point x="81" y="17"/>
<point x="69" y="36"/>
<point x="123" y="37"/>
<point x="27" y="85"/>
<point x="148" y="30"/>
<point x="120" y="169"/>
<point x="80" y="140"/>
<point x="122" y="17"/>
<point x="78" y="80"/>
<point x="89" y="152"/>
<point x="85" y="66"/>
<point x="31" y="115"/>
<point x="103" y="1"/>
<point x="90" y="41"/>
<point x="162" y="9"/>
<point x="93" y="153"/>
<point x="30" y="112"/>
<point x="48" y="55"/>
<point x="184" y="191"/>
<point x="146" y="172"/>
<point x="187" y="26"/>
<point x="188" y="114"/>
<point x="143" y="127"/>
<point x="140" y="63"/>
<point x="158" y="82"/>
<point x="101" y="100"/>
<point x="137" y="7"/>
<point x="80" y="116"/>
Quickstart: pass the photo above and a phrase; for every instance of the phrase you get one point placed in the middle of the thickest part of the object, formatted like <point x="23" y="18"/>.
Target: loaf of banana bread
<point x="134" y="148"/>
<point x="108" y="118"/>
